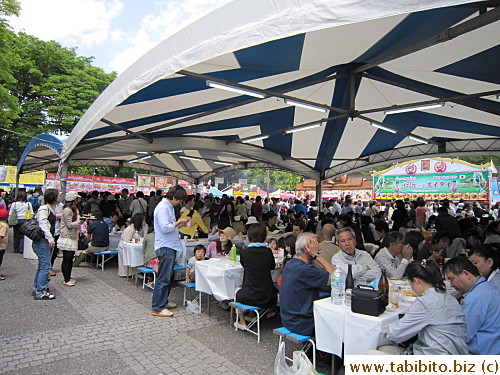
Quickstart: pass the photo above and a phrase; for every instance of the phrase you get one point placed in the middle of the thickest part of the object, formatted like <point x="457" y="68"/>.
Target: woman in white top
<point x="139" y="205"/>
<point x="435" y="317"/>
<point x="21" y="207"/>
<point x="68" y="237"/>
<point x="487" y="263"/>
<point x="136" y="228"/>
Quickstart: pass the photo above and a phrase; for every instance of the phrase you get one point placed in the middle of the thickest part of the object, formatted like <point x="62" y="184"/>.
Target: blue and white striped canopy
<point x="351" y="60"/>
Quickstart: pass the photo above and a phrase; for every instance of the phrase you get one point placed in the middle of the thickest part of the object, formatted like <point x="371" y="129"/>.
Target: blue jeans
<point x="161" y="291"/>
<point x="42" y="250"/>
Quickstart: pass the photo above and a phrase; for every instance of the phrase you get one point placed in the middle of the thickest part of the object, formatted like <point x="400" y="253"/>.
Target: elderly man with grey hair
<point x="362" y="263"/>
<point x="301" y="283"/>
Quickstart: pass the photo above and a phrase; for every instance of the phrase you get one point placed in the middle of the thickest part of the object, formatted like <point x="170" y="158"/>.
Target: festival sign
<point x="145" y="183"/>
<point x="433" y="179"/>
<point x="163" y="183"/>
<point x="28" y="180"/>
<point x="90" y="183"/>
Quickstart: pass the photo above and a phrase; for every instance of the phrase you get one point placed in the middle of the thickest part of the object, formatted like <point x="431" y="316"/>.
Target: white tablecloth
<point x="337" y="324"/>
<point x="219" y="277"/>
<point x="132" y="254"/>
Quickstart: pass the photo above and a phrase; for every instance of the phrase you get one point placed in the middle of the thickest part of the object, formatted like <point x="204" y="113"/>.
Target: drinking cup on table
<point x="136" y="240"/>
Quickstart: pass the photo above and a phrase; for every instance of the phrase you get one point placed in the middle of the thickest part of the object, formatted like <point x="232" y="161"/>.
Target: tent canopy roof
<point x="353" y="59"/>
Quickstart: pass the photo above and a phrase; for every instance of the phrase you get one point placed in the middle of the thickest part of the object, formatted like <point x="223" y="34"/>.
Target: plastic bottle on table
<point x="338" y="287"/>
<point x="233" y="253"/>
<point x="136" y="236"/>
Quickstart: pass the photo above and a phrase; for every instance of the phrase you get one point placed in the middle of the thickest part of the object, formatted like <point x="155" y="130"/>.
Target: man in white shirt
<point x="167" y="244"/>
<point x="362" y="263"/>
<point x="395" y="256"/>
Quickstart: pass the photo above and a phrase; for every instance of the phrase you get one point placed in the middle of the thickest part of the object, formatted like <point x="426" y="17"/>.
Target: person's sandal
<point x="52" y="273"/>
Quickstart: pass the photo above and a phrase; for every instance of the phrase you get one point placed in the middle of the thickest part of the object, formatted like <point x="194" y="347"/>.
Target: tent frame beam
<point x="483" y="19"/>
<point x="110" y="123"/>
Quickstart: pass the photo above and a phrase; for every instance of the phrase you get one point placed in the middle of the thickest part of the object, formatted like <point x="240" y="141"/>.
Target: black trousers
<point x="67" y="264"/>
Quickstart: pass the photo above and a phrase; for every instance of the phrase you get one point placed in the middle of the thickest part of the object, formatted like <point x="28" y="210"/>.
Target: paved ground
<point x="103" y="325"/>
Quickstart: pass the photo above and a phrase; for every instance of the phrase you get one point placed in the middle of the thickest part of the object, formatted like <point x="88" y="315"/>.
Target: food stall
<point x="434" y="178"/>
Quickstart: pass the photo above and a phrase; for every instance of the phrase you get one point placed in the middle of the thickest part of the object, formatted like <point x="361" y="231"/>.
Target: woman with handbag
<point x="68" y="237"/>
<point x="20" y="211"/>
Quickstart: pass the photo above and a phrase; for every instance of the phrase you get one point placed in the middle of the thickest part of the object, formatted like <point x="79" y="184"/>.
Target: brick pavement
<point x="103" y="325"/>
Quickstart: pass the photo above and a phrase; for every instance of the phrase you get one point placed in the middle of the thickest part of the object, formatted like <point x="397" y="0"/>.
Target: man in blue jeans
<point x="167" y="244"/>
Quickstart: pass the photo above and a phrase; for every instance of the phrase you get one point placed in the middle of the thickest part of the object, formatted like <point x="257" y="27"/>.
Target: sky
<point x="115" y="32"/>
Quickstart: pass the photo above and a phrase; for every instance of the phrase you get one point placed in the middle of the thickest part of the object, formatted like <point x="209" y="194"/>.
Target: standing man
<point x="167" y="244"/>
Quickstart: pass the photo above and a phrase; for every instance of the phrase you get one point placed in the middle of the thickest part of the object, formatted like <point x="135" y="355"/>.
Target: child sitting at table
<point x="199" y="253"/>
<point x="273" y="245"/>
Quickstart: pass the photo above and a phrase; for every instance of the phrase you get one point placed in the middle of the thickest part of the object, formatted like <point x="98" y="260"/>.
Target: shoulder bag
<point x="32" y="230"/>
<point x="13" y="220"/>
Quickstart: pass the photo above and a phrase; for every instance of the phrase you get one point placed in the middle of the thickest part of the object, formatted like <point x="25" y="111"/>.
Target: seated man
<point x="437" y="250"/>
<point x="363" y="264"/>
<point x="481" y="305"/>
<point x="112" y="221"/>
<point x="98" y="234"/>
<point x="327" y="248"/>
<point x="271" y="218"/>
<point x="394" y="257"/>
<point x="301" y="283"/>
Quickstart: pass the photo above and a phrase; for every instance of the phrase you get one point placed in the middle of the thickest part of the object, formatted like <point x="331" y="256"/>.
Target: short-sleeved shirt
<point x="299" y="289"/>
<point x="100" y="233"/>
<point x="4" y="235"/>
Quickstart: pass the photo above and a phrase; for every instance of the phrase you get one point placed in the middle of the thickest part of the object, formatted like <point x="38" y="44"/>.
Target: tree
<point x="8" y="102"/>
<point x="52" y="87"/>
<point x="278" y="179"/>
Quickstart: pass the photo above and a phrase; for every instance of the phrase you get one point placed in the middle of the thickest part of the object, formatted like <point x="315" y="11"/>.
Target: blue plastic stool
<point x="259" y="311"/>
<point x="306" y="341"/>
<point x="111" y="253"/>
<point x="146" y="271"/>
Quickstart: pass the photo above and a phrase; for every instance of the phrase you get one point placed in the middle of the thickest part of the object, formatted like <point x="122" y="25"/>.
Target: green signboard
<point x="460" y="185"/>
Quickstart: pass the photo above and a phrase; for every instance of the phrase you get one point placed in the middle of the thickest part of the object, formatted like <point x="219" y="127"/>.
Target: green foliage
<point x="43" y="87"/>
<point x="278" y="179"/>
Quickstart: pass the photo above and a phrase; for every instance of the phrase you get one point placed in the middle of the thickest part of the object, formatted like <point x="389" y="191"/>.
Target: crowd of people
<point x="425" y="242"/>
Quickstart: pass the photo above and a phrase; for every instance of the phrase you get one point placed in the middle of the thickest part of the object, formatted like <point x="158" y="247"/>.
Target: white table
<point x="133" y="255"/>
<point x="219" y="277"/>
<point x="337" y="324"/>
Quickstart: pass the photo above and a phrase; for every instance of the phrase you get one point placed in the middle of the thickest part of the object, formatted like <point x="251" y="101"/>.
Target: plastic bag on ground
<point x="280" y="366"/>
<point x="193" y="307"/>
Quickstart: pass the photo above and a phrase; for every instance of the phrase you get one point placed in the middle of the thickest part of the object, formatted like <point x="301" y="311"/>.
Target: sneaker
<point x="2" y="277"/>
<point x="242" y="327"/>
<point x="70" y="283"/>
<point x="33" y="293"/>
<point x="44" y="295"/>
<point x="52" y="273"/>
<point x="170" y="305"/>
<point x="165" y="313"/>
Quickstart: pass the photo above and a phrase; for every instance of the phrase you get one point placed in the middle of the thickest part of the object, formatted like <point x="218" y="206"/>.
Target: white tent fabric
<point x="352" y="58"/>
